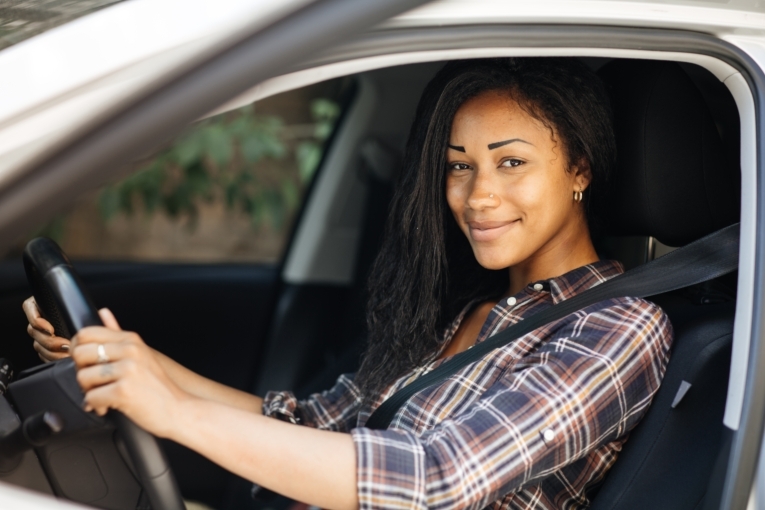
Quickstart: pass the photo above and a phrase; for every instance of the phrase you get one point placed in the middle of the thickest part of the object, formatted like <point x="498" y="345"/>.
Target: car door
<point x="211" y="314"/>
<point x="187" y="250"/>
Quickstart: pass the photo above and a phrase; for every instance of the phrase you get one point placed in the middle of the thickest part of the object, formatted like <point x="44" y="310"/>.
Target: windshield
<point x="22" y="19"/>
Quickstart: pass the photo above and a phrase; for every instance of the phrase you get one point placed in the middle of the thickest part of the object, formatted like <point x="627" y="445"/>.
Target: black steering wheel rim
<point x="63" y="300"/>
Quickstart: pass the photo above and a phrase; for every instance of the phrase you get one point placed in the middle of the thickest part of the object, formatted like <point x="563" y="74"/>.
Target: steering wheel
<point x="62" y="300"/>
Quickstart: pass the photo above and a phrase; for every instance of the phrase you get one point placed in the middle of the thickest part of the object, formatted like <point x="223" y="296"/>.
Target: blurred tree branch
<point x="231" y="157"/>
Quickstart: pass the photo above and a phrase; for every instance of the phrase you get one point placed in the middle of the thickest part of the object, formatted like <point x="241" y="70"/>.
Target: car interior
<point x="298" y="324"/>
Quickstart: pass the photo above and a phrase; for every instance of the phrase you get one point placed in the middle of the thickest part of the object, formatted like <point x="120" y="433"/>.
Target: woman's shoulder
<point x="627" y="309"/>
<point x="614" y="334"/>
<point x="628" y="306"/>
<point x="625" y="319"/>
<point x="624" y="309"/>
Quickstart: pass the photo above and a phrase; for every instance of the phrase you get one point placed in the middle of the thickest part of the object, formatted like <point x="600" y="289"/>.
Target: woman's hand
<point x="117" y="370"/>
<point x="48" y="346"/>
<point x="51" y="348"/>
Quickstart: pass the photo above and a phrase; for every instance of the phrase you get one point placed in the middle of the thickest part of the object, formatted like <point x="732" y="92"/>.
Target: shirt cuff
<point x="390" y="469"/>
<point x="282" y="405"/>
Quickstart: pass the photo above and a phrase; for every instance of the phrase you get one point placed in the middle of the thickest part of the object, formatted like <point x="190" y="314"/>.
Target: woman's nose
<point x="483" y="194"/>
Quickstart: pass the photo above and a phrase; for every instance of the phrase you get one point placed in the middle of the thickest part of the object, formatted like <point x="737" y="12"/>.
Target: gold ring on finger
<point x="102" y="357"/>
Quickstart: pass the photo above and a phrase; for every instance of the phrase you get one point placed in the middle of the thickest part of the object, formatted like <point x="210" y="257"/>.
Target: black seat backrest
<point x="673" y="179"/>
<point x="673" y="182"/>
<point x="669" y="457"/>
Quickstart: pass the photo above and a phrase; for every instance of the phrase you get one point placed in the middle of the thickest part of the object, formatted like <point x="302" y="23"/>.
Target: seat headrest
<point x="672" y="180"/>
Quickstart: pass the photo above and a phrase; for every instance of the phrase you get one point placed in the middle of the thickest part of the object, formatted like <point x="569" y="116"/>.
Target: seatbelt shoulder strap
<point x="705" y="259"/>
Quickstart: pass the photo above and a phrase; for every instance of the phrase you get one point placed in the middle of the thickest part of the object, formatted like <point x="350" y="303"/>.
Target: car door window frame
<point x="745" y="410"/>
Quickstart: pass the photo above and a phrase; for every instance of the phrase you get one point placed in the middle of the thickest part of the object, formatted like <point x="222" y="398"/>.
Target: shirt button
<point x="538" y="286"/>
<point x="511" y="301"/>
<point x="548" y="435"/>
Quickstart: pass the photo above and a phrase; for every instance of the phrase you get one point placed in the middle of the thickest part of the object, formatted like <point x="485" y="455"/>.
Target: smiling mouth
<point x="482" y="231"/>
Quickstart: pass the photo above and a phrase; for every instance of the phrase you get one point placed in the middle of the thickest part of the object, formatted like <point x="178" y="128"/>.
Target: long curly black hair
<point x="426" y="273"/>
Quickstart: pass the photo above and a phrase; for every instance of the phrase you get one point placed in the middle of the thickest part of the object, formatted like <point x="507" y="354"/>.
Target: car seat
<point x="673" y="182"/>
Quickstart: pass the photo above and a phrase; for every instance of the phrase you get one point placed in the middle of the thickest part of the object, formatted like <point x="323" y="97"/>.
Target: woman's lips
<point x="482" y="231"/>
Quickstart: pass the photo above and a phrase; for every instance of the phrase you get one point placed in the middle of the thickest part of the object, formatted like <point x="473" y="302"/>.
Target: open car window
<point x="227" y="190"/>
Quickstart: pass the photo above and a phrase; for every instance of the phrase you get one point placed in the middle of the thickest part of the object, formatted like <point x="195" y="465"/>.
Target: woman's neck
<point x="560" y="256"/>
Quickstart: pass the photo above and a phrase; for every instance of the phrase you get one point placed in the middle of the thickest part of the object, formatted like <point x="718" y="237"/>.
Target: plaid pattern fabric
<point x="531" y="425"/>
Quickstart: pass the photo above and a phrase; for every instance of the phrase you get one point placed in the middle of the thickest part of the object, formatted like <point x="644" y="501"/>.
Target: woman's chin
<point x="494" y="261"/>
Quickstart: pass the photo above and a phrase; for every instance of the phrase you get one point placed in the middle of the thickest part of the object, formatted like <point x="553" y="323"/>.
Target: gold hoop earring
<point x="578" y="195"/>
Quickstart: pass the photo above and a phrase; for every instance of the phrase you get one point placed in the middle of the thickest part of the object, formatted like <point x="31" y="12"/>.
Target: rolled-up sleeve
<point x="584" y="388"/>
<point x="335" y="409"/>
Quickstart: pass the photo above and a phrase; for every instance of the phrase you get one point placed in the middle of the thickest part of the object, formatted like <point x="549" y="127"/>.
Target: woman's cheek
<point x="456" y="191"/>
<point x="455" y="199"/>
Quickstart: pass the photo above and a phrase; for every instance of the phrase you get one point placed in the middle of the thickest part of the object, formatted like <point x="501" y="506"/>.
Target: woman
<point x="489" y="226"/>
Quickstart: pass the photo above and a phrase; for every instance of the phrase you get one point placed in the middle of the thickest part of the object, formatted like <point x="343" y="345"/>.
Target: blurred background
<point x="227" y="190"/>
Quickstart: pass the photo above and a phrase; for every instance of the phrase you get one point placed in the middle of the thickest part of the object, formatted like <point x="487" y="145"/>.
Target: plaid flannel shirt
<point x="534" y="424"/>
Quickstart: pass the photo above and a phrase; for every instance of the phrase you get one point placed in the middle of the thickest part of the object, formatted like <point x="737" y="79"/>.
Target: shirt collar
<point x="578" y="280"/>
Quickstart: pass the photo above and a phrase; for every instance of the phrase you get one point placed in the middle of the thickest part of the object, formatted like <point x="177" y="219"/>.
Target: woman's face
<point x="508" y="183"/>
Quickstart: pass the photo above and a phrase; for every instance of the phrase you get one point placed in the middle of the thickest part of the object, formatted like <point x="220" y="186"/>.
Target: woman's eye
<point x="459" y="166"/>
<point x="512" y="162"/>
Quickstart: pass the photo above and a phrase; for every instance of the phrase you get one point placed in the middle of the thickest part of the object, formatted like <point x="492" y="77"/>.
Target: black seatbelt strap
<point x="705" y="259"/>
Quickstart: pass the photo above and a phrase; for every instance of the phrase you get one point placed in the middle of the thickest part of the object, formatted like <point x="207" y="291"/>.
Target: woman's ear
<point x="582" y="175"/>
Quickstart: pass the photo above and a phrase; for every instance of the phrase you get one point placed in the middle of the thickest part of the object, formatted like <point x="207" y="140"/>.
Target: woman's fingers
<point x="50" y="342"/>
<point x="30" y="308"/>
<point x="130" y="387"/>
<point x="48" y="347"/>
<point x="101" y="398"/>
<point x="34" y="318"/>
<point x="104" y="383"/>
<point x="108" y="319"/>
<point x="41" y="324"/>
<point x="99" y="375"/>
<point x="86" y="355"/>
<point x="117" y="370"/>
<point x="100" y="335"/>
<point x="48" y="355"/>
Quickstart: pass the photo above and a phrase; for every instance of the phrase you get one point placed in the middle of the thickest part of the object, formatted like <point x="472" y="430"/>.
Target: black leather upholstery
<point x="673" y="179"/>
<point x="668" y="459"/>
<point x="673" y="182"/>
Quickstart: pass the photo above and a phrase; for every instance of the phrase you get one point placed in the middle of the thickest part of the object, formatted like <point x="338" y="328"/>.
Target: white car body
<point x="57" y="84"/>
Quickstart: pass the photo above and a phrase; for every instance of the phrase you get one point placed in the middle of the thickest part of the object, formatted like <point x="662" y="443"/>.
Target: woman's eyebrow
<point x="457" y="147"/>
<point x="497" y="145"/>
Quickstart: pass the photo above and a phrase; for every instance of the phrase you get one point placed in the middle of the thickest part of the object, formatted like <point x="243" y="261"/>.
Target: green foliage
<point x="309" y="152"/>
<point x="54" y="229"/>
<point x="248" y="161"/>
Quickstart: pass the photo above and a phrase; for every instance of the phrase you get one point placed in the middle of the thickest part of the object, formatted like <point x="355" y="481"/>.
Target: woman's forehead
<point x="495" y="117"/>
